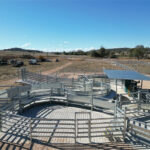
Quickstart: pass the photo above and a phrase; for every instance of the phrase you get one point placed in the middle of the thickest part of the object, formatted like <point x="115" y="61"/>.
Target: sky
<point x="64" y="25"/>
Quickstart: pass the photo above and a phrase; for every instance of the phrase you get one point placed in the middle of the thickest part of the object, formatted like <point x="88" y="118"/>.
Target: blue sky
<point x="58" y="25"/>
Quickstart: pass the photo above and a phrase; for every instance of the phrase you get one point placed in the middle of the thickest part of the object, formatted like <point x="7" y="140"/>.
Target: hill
<point x="22" y="50"/>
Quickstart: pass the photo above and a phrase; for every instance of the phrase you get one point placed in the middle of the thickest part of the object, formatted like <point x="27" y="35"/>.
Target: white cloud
<point x="76" y="49"/>
<point x="66" y="42"/>
<point x="45" y="49"/>
<point x="25" y="45"/>
<point x="88" y="48"/>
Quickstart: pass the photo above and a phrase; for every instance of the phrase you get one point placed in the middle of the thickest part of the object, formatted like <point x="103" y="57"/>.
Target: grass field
<point x="66" y="64"/>
<point x="142" y="66"/>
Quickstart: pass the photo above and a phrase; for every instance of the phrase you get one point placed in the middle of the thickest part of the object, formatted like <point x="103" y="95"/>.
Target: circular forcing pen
<point x="62" y="110"/>
<point x="57" y="123"/>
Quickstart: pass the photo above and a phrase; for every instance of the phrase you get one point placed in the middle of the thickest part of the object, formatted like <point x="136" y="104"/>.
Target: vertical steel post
<point x="21" y="70"/>
<point x="116" y="86"/>
<point x="24" y="74"/>
<point x="61" y="85"/>
<point x="28" y="94"/>
<point x="141" y="84"/>
<point x="30" y="128"/>
<point x="84" y="85"/>
<point x="92" y="101"/>
<point x="51" y="93"/>
<point x="75" y="127"/>
<point x="115" y="110"/>
<point x="39" y="79"/>
<point x="139" y="101"/>
<point x="58" y="91"/>
<point x="72" y="82"/>
<point x="92" y="97"/>
<point x="19" y="99"/>
<point x="67" y="98"/>
<point x="89" y="131"/>
<point x="120" y="100"/>
<point x="0" y="121"/>
<point x="18" y="73"/>
<point x="47" y="79"/>
<point x="56" y="77"/>
<point x="125" y="125"/>
<point x="145" y="125"/>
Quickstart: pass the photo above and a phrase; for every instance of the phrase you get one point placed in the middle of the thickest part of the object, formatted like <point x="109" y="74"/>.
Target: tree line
<point x="139" y="52"/>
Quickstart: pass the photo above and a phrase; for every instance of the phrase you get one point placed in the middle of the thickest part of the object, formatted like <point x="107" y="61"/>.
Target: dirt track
<point x="52" y="71"/>
<point x="146" y="84"/>
<point x="56" y="69"/>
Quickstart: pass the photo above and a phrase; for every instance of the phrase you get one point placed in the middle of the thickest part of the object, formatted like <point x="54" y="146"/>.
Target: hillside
<point x="21" y="50"/>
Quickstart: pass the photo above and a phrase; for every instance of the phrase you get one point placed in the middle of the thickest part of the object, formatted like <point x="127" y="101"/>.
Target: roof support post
<point x="141" y="84"/>
<point x="116" y="86"/>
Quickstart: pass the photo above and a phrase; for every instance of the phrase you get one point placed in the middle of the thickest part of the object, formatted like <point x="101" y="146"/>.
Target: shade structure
<point x="125" y="75"/>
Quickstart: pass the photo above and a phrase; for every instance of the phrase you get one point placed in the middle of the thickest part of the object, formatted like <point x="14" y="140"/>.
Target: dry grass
<point x="9" y="73"/>
<point x="78" y="64"/>
<point x="138" y="66"/>
<point x="89" y="65"/>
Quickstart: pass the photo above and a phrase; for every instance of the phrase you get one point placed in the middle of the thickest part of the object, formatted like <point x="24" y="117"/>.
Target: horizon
<point x="65" y="25"/>
<point x="70" y="50"/>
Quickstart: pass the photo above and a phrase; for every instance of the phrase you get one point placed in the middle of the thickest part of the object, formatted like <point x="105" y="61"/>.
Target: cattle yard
<point x="78" y="109"/>
<point x="54" y="109"/>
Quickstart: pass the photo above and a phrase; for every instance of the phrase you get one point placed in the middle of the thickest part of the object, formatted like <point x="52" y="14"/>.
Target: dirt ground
<point x="146" y="84"/>
<point x="67" y="65"/>
<point x="54" y="70"/>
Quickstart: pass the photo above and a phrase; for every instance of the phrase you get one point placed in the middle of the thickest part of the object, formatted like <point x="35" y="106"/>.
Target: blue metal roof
<point x="125" y="74"/>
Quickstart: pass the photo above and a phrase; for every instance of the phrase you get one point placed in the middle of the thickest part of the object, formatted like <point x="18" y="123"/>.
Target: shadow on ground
<point x="40" y="146"/>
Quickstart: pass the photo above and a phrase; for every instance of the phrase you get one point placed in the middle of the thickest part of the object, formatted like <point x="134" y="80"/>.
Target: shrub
<point x="42" y="58"/>
<point x="27" y="57"/>
<point x="94" y="53"/>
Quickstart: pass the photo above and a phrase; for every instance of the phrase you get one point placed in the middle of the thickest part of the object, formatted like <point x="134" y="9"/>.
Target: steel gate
<point x="83" y="126"/>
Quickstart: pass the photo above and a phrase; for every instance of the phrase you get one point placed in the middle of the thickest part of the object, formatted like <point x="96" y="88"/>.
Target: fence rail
<point x="140" y="130"/>
<point x="77" y="128"/>
<point x="70" y="91"/>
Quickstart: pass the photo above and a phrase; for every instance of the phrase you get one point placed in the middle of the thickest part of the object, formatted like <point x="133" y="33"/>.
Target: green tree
<point x="139" y="51"/>
<point x="102" y="52"/>
<point x="112" y="55"/>
<point x="94" y="53"/>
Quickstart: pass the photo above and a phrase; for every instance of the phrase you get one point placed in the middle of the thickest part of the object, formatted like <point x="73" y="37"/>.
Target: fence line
<point x="83" y="92"/>
<point x="42" y="128"/>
